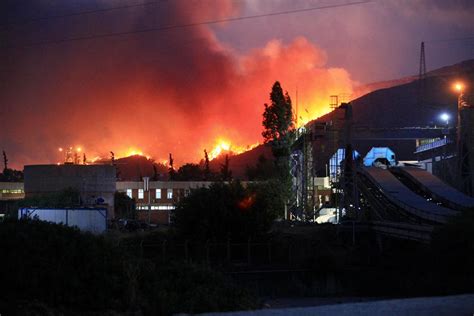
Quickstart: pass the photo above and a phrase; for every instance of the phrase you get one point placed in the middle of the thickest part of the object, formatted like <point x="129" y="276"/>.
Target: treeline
<point x="10" y="175"/>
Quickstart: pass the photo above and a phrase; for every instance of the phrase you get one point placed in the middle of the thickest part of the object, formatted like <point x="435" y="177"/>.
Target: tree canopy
<point x="278" y="121"/>
<point x="228" y="210"/>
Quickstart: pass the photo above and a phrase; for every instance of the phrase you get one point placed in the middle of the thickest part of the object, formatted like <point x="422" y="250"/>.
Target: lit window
<point x="140" y="194"/>
<point x="186" y="192"/>
<point x="166" y="207"/>
<point x="158" y="193"/>
<point x="129" y="193"/>
<point x="169" y="195"/>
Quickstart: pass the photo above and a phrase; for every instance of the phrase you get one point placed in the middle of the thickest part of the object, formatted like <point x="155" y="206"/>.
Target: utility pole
<point x="422" y="76"/>
<point x="146" y="188"/>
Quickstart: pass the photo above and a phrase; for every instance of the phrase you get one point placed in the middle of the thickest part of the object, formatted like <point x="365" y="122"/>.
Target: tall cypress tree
<point x="171" y="171"/>
<point x="5" y="162"/>
<point x="279" y="128"/>
<point x="207" y="169"/>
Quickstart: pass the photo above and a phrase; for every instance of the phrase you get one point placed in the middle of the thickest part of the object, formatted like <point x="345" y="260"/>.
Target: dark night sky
<point x="184" y="89"/>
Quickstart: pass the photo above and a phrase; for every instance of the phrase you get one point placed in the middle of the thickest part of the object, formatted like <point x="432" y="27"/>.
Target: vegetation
<point x="171" y="171"/>
<point x="10" y="175"/>
<point x="226" y="173"/>
<point x="124" y="206"/>
<point x="207" y="168"/>
<point x="189" y="172"/>
<point x="263" y="170"/>
<point x="53" y="269"/>
<point x="228" y="211"/>
<point x="279" y="128"/>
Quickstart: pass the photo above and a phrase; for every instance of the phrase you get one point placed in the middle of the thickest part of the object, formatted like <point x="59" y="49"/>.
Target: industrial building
<point x="11" y="191"/>
<point x="403" y="198"/>
<point x="95" y="183"/>
<point x="155" y="200"/>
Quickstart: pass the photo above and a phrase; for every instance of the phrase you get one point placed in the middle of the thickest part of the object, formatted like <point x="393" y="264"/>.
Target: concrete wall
<point x="92" y="181"/>
<point x="86" y="219"/>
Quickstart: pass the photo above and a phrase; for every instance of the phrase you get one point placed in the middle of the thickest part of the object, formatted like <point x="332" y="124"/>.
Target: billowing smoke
<point x="179" y="90"/>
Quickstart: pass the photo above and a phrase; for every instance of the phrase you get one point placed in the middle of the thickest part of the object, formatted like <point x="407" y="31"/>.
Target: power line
<point x="181" y="26"/>
<point x="51" y="17"/>
<point x="454" y="39"/>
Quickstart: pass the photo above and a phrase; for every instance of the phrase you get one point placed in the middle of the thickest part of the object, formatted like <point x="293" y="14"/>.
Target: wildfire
<point x="132" y="151"/>
<point x="225" y="146"/>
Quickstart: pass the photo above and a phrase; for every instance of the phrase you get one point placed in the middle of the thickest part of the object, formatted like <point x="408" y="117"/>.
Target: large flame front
<point x="224" y="146"/>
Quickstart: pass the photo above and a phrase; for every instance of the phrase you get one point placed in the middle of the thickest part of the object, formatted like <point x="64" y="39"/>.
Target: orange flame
<point x="132" y="151"/>
<point x="225" y="146"/>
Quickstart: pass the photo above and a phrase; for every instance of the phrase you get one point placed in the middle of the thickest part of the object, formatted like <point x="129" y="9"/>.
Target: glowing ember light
<point x="60" y="149"/>
<point x="459" y="87"/>
<point x="247" y="202"/>
<point x="78" y="149"/>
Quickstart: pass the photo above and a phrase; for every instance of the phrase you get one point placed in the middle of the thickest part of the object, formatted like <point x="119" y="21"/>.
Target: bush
<point x="59" y="266"/>
<point x="228" y="211"/>
<point x="49" y="269"/>
<point x="189" y="288"/>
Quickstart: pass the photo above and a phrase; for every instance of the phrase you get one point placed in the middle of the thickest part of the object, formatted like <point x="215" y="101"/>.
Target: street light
<point x="445" y="117"/>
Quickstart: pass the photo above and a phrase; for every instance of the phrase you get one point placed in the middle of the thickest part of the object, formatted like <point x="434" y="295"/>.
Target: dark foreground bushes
<point x="48" y="269"/>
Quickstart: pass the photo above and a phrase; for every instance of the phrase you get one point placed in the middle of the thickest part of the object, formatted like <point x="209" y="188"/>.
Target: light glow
<point x="445" y="117"/>
<point x="459" y="87"/>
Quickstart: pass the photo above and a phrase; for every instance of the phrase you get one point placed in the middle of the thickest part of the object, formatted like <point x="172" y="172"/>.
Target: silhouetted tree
<point x="263" y="170"/>
<point x="124" y="206"/>
<point x="84" y="159"/>
<point x="5" y="161"/>
<point x="207" y="169"/>
<point x="278" y="122"/>
<point x="10" y="175"/>
<point x="171" y="171"/>
<point x="189" y="172"/>
<point x="228" y="210"/>
<point x="155" y="173"/>
<point x="279" y="132"/>
<point x="226" y="173"/>
<point x="112" y="160"/>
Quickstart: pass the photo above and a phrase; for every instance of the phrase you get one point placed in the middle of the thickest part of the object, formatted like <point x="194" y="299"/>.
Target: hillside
<point x="394" y="104"/>
<point x="238" y="163"/>
<point x="135" y="167"/>
<point x="398" y="106"/>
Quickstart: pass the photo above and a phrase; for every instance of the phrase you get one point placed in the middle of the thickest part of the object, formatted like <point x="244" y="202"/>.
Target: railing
<point x="433" y="145"/>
